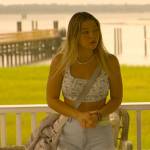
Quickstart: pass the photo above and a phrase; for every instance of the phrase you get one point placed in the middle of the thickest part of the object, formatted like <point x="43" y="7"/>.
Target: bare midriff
<point x="87" y="106"/>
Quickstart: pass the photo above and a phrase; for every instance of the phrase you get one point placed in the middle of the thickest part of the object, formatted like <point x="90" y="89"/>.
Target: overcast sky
<point x="9" y="2"/>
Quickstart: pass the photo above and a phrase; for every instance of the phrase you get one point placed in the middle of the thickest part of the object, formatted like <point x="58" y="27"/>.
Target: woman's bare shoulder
<point x="113" y="59"/>
<point x="113" y="62"/>
<point x="56" y="59"/>
<point x="55" y="63"/>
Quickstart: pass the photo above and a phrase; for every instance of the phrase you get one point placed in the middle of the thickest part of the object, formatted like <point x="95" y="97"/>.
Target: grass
<point x="26" y="85"/>
<point x="136" y="83"/>
<point x="23" y="85"/>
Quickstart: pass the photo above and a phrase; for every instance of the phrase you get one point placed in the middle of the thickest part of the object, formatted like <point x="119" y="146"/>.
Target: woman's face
<point x="89" y="35"/>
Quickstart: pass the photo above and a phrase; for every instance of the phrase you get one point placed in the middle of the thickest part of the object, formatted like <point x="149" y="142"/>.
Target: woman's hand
<point x="87" y="119"/>
<point x="97" y="114"/>
<point x="94" y="119"/>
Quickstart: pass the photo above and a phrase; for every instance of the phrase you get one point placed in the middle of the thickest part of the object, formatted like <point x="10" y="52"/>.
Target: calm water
<point x="131" y="24"/>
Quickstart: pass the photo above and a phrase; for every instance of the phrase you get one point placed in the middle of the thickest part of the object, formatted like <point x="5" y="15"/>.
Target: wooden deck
<point x="26" y="36"/>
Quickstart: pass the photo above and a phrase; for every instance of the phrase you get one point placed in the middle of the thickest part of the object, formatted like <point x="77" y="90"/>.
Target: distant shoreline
<point x="55" y="8"/>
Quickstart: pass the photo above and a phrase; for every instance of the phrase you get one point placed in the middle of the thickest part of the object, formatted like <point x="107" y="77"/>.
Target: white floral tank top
<point x="72" y="86"/>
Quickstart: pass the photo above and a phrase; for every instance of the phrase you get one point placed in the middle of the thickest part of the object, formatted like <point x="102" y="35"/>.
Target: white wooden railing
<point x="34" y="109"/>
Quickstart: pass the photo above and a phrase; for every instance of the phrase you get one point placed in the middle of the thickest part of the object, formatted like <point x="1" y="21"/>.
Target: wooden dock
<point x="27" y="47"/>
<point x="26" y="36"/>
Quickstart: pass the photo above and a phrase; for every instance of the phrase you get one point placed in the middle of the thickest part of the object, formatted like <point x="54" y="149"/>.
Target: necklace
<point x="85" y="62"/>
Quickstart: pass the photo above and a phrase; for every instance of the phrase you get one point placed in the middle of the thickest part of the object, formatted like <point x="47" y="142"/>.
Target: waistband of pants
<point x="104" y="121"/>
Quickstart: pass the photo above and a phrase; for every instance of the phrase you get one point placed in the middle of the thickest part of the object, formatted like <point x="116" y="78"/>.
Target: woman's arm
<point x="53" y="90"/>
<point x="116" y="89"/>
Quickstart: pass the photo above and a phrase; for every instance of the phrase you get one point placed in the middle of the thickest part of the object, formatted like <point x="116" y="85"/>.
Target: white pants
<point x="74" y="137"/>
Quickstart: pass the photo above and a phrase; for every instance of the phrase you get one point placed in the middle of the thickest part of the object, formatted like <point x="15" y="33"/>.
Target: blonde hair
<point x="69" y="49"/>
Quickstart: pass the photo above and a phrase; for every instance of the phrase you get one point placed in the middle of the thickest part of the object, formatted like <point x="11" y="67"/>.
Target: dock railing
<point x="138" y="107"/>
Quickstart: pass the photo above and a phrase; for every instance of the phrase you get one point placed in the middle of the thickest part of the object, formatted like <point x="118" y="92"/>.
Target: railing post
<point x="55" y="25"/>
<point x="33" y="121"/>
<point x="19" y="26"/>
<point x="3" y="130"/>
<point x="138" y="121"/>
<point x="117" y="41"/>
<point x="18" y="129"/>
<point x="145" y="41"/>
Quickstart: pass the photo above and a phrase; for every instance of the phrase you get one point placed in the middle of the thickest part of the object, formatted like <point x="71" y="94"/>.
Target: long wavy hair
<point x="69" y="48"/>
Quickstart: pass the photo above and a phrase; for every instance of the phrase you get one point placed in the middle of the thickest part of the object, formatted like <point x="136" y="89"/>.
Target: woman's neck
<point x="84" y="55"/>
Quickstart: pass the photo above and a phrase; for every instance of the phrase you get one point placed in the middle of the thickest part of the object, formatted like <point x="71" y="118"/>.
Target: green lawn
<point x="26" y="85"/>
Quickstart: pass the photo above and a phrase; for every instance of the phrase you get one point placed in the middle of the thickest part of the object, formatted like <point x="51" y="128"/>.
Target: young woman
<point x="71" y="69"/>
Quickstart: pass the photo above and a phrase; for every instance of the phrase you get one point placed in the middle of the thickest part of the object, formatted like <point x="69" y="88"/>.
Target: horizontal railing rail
<point x="36" y="108"/>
